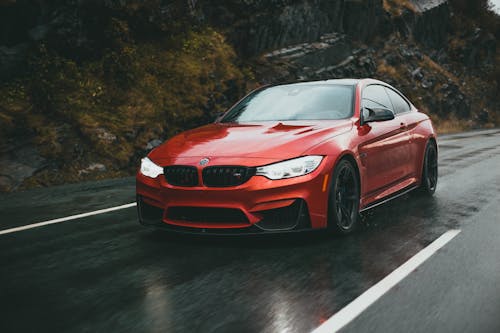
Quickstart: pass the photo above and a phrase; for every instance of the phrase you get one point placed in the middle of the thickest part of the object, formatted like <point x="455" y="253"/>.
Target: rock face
<point x="432" y="24"/>
<point x="479" y="49"/>
<point x="18" y="31"/>
<point x="257" y="26"/>
<point x="93" y="167"/>
<point x="331" y="56"/>
<point x="425" y="5"/>
<point x="252" y="26"/>
<point x="18" y="162"/>
<point x="453" y="101"/>
<point x="12" y="59"/>
<point x="364" y="20"/>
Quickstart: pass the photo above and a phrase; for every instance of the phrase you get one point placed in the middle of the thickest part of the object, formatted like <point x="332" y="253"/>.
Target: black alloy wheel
<point x="343" y="206"/>
<point x="430" y="169"/>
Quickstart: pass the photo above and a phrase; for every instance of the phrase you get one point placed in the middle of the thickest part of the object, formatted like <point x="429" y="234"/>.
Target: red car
<point x="291" y="157"/>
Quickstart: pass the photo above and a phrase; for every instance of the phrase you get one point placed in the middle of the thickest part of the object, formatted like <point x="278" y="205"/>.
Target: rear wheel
<point x="343" y="206"/>
<point x="430" y="170"/>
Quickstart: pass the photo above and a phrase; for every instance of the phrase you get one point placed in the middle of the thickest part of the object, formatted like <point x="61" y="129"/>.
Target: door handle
<point x="404" y="127"/>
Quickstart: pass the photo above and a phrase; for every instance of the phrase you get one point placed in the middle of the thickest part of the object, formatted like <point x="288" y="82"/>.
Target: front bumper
<point x="257" y="206"/>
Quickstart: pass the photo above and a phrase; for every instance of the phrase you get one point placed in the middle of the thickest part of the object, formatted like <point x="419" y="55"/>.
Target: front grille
<point x="224" y="176"/>
<point x="206" y="214"/>
<point x="180" y="175"/>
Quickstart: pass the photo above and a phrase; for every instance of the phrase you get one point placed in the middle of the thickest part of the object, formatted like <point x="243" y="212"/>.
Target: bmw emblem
<point x="204" y="161"/>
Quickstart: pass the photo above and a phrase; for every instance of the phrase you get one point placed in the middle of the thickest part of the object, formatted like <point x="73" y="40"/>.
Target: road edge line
<point x="370" y="296"/>
<point x="67" y="218"/>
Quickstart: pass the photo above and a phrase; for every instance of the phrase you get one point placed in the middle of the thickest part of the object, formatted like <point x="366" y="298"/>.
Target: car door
<point x="384" y="148"/>
<point x="406" y="119"/>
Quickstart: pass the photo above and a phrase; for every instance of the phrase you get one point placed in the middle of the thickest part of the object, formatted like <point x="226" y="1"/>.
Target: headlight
<point x="149" y="169"/>
<point x="291" y="168"/>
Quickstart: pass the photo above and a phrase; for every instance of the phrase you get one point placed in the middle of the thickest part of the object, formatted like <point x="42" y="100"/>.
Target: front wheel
<point x="430" y="170"/>
<point x="343" y="205"/>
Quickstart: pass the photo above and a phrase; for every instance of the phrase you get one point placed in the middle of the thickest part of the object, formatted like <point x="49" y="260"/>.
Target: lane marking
<point x="362" y="302"/>
<point x="67" y="218"/>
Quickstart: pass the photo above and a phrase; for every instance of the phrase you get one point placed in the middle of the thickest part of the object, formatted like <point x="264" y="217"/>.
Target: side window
<point x="399" y="103"/>
<point x="375" y="96"/>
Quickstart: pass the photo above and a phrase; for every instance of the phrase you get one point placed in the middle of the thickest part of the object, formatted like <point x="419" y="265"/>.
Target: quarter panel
<point x="421" y="134"/>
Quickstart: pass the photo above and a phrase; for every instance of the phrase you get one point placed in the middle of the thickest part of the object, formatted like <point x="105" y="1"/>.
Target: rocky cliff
<point x="88" y="87"/>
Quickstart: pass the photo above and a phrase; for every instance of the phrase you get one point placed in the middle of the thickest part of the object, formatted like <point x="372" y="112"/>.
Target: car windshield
<point x="294" y="102"/>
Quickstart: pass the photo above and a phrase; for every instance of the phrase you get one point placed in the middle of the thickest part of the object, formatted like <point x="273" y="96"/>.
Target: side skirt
<point x="391" y="197"/>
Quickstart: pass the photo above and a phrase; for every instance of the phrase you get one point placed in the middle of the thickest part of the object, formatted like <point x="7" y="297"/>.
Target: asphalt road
<point x="106" y="273"/>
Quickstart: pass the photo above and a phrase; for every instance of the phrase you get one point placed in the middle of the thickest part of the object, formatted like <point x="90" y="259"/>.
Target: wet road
<point x="105" y="273"/>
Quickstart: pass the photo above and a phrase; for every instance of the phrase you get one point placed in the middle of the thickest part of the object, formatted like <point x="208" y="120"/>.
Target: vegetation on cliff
<point x="104" y="110"/>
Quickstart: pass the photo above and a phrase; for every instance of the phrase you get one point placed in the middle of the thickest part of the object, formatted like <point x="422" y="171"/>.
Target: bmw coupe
<point x="291" y="157"/>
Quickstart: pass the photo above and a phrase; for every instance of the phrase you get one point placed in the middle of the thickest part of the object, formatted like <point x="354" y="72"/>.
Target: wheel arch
<point x="430" y="139"/>
<point x="433" y="140"/>
<point x="348" y="156"/>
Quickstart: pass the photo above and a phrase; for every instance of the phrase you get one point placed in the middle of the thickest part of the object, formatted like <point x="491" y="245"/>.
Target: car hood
<point x="269" y="140"/>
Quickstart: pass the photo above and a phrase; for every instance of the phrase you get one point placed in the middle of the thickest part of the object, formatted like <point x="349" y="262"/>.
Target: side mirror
<point x="377" y="114"/>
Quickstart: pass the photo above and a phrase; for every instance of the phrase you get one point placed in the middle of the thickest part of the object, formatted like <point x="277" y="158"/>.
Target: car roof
<point x="364" y="81"/>
<point x="350" y="82"/>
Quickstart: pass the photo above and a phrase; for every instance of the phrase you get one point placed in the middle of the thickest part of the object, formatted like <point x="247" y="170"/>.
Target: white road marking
<point x="362" y="302"/>
<point x="67" y="218"/>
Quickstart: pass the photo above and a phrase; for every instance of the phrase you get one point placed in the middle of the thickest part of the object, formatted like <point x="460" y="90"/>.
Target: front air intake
<point x="206" y="215"/>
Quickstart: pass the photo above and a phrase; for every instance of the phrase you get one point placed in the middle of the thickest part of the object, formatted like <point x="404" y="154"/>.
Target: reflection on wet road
<point x="107" y="273"/>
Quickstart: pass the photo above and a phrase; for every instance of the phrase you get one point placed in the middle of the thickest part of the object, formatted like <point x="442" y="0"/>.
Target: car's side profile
<point x="291" y="157"/>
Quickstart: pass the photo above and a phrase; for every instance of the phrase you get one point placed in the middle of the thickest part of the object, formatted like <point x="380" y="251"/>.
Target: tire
<point x="343" y="201"/>
<point x="429" y="170"/>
